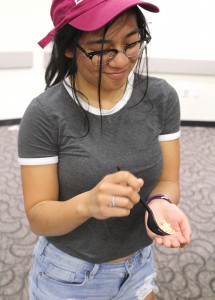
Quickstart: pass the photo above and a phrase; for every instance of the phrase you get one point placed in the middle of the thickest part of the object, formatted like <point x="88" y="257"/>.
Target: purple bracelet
<point x="158" y="196"/>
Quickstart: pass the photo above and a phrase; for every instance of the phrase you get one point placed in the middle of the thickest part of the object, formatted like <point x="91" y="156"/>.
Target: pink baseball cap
<point x="89" y="15"/>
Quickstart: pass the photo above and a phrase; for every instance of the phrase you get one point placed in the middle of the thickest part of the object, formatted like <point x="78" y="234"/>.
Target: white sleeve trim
<point x="38" y="161"/>
<point x="169" y="137"/>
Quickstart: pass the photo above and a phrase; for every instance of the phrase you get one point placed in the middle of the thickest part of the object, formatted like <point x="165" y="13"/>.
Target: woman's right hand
<point x="50" y="217"/>
<point x="123" y="186"/>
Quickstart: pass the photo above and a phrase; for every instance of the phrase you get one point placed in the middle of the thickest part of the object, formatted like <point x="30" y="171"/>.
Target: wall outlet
<point x="191" y="93"/>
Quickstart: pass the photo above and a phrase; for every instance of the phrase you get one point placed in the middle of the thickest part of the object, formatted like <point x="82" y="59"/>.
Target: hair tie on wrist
<point x="158" y="196"/>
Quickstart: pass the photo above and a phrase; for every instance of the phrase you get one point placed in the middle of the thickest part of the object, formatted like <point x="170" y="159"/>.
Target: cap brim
<point x="107" y="11"/>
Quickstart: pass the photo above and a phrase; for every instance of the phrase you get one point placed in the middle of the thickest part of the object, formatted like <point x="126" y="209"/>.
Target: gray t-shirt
<point x="53" y="130"/>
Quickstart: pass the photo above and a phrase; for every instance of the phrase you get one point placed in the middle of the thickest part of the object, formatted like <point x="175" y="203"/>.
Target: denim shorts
<point x="56" y="275"/>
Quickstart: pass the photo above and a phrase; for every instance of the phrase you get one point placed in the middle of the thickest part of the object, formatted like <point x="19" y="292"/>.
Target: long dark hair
<point x="67" y="38"/>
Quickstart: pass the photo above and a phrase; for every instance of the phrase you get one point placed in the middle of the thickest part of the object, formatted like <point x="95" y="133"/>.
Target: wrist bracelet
<point x="158" y="196"/>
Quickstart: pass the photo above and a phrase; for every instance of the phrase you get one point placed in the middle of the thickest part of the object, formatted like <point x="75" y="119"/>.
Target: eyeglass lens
<point x="131" y="51"/>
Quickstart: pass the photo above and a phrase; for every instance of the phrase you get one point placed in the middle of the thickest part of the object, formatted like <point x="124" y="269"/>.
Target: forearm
<point x="169" y="188"/>
<point x="53" y="218"/>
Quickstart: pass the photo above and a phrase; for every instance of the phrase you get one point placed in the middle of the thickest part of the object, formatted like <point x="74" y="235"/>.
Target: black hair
<point x="66" y="39"/>
<point x="60" y="65"/>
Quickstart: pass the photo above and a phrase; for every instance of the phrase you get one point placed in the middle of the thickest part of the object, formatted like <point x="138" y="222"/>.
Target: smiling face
<point x="123" y="31"/>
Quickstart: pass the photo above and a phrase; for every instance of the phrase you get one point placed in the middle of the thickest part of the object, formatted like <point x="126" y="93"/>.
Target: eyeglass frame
<point x="90" y="55"/>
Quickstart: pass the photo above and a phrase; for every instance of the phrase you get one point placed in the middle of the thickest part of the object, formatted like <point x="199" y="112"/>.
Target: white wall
<point x="182" y="30"/>
<point x="22" y="24"/>
<point x="185" y="30"/>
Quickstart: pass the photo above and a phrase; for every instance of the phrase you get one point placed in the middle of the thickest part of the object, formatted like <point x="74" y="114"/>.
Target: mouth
<point x="116" y="75"/>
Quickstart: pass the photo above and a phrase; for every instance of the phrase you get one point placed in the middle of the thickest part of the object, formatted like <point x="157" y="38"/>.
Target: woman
<point x="97" y="139"/>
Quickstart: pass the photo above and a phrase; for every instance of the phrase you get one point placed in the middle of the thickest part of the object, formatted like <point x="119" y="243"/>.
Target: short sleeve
<point x="38" y="136"/>
<point x="171" y="123"/>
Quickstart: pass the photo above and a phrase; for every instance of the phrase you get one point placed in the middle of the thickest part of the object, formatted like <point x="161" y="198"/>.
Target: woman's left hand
<point x="173" y="215"/>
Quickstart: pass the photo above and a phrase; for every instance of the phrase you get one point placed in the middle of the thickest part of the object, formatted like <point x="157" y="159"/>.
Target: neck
<point x="108" y="99"/>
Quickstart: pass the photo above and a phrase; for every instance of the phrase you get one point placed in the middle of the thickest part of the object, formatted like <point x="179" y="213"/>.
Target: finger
<point x="158" y="239"/>
<point x="119" y="212"/>
<point x="118" y="190"/>
<point x="118" y="201"/>
<point x="171" y="241"/>
<point x="186" y="230"/>
<point x="167" y="241"/>
<point x="110" y="212"/>
<point x="126" y="178"/>
<point x="175" y="243"/>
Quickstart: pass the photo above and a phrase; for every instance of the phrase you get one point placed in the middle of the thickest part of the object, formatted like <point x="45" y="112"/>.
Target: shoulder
<point x="39" y="127"/>
<point x="53" y="112"/>
<point x="54" y="97"/>
<point x="160" y="83"/>
<point x="157" y="87"/>
<point x="161" y="88"/>
<point x="44" y="112"/>
<point x="50" y="104"/>
<point x="161" y="104"/>
<point x="159" y="92"/>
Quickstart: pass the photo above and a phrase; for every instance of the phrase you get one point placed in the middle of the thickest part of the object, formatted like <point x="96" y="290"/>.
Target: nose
<point x="119" y="60"/>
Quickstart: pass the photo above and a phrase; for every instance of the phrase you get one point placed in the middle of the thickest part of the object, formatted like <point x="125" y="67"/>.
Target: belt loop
<point x="145" y="253"/>
<point x="94" y="271"/>
<point x="42" y="244"/>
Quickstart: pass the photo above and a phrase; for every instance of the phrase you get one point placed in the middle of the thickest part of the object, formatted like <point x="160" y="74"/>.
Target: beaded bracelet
<point x="158" y="196"/>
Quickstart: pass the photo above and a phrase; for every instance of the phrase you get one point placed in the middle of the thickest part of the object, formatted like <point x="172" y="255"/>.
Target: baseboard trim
<point x="10" y="122"/>
<point x="198" y="123"/>
<point x="188" y="123"/>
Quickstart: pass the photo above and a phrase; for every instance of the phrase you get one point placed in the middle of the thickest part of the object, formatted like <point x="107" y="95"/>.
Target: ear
<point x="68" y="54"/>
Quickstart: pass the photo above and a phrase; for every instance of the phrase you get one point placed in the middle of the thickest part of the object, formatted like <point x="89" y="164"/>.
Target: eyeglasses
<point x="104" y="57"/>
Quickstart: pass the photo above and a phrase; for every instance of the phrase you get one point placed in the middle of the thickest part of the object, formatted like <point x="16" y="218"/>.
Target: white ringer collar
<point x="96" y="111"/>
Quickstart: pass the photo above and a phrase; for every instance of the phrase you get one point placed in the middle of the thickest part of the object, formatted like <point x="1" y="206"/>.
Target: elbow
<point x="35" y="221"/>
<point x="34" y="226"/>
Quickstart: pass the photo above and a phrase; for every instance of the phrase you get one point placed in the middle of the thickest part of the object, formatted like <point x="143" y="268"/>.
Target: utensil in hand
<point x="151" y="222"/>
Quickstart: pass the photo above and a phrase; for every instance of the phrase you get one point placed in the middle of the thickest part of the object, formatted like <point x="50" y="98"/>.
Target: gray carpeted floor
<point x="187" y="273"/>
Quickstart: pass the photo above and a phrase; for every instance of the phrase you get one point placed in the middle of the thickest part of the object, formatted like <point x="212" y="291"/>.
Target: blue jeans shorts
<point x="56" y="275"/>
